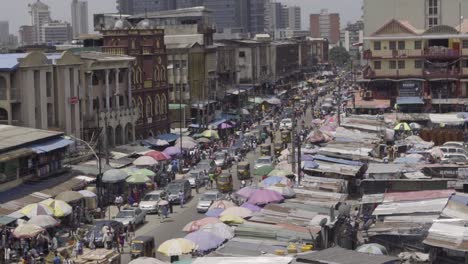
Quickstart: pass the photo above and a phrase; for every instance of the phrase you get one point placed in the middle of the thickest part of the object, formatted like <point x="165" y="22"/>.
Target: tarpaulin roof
<point x="409" y="100"/>
<point x="416" y="196"/>
<point x="337" y="255"/>
<point x="168" y="137"/>
<point x="339" y="161"/>
<point x="446" y="235"/>
<point x="51" y="145"/>
<point x="448" y="119"/>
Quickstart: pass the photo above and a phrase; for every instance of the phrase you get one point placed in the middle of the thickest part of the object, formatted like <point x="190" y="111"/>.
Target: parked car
<point x="173" y="188"/>
<point x="459" y="144"/>
<point x="263" y="161"/>
<point x="453" y="150"/>
<point x="129" y="215"/>
<point x="286" y="124"/>
<point x="149" y="203"/>
<point x="206" y="199"/>
<point x="196" y="177"/>
<point x="96" y="231"/>
<point x="455" y="158"/>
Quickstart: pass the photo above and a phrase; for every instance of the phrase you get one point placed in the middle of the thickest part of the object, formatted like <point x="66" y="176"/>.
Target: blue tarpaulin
<point x="310" y="165"/>
<point x="51" y="145"/>
<point x="459" y="199"/>
<point x="339" y="161"/>
<point x="168" y="137"/>
<point x="217" y="122"/>
<point x="409" y="100"/>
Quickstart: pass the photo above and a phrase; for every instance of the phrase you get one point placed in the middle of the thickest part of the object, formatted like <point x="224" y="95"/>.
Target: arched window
<point x="149" y="107"/>
<point x="163" y="105"/>
<point x="157" y="104"/>
<point x="140" y="107"/>
<point x="156" y="73"/>
<point x="3" y="88"/>
<point x="140" y="75"/>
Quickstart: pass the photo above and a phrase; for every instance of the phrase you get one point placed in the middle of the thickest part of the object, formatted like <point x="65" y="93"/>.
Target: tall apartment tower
<point x="4" y="32"/>
<point x="135" y="7"/>
<point x="325" y="25"/>
<point x="79" y="13"/>
<point x="40" y="15"/>
<point x="294" y="17"/>
<point x="257" y="16"/>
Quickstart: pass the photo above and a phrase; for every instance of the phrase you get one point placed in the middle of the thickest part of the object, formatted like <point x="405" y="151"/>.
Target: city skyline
<point x="17" y="11"/>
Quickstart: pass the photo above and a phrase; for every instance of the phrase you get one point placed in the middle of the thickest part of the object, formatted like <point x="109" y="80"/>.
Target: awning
<point x="199" y="105"/>
<point x="409" y="100"/>
<point x="16" y="154"/>
<point x="5" y="220"/>
<point x="447" y="119"/>
<point x="177" y="106"/>
<point x="168" y="137"/>
<point x="51" y="145"/>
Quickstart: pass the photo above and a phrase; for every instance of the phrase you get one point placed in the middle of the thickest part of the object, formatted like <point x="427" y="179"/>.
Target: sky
<point x="16" y="11"/>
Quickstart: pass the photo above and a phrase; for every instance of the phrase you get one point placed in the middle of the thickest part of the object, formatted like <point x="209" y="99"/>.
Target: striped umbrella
<point x="59" y="207"/>
<point x="36" y="209"/>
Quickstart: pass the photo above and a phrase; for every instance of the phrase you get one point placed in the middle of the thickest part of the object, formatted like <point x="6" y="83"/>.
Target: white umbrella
<point x="145" y="161"/>
<point x="187" y="144"/>
<point x="146" y="260"/>
<point x="44" y="221"/>
<point x="284" y="190"/>
<point x="87" y="194"/>
<point x="220" y="229"/>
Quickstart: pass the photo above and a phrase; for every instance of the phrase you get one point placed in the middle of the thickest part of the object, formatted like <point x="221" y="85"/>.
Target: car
<point x="458" y="144"/>
<point x="149" y="203"/>
<point x="268" y="122"/>
<point x="286" y="124"/>
<point x="206" y="199"/>
<point x="173" y="188"/>
<point x="263" y="161"/>
<point x="208" y="166"/>
<point x="129" y="215"/>
<point x="455" y="158"/>
<point x="453" y="150"/>
<point x="196" y="177"/>
<point x="220" y="159"/>
<point x="96" y="231"/>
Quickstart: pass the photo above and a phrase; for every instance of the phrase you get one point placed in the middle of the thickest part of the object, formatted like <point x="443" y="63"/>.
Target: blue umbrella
<point x="309" y="165"/>
<point x="252" y="207"/>
<point x="205" y="240"/>
<point x="168" y="137"/>
<point x="272" y="180"/>
<point x="214" y="212"/>
<point x="307" y="158"/>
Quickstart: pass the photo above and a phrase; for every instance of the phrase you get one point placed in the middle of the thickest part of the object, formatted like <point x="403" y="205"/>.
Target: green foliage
<point x="339" y="56"/>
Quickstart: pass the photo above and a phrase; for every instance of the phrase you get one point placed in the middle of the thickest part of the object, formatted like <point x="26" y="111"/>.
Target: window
<point x="401" y="45"/>
<point x="401" y="64"/>
<point x="377" y="45"/>
<point x="392" y="45"/>
<point x="418" y="64"/>
<point x="377" y="65"/>
<point x="49" y="84"/>
<point x="241" y="54"/>
<point x="433" y="21"/>
<point x="465" y="44"/>
<point x="465" y="63"/>
<point x="417" y="45"/>
<point x="392" y="64"/>
<point x="149" y="107"/>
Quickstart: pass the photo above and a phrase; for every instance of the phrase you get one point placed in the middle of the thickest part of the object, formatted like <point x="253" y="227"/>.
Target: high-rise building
<point x="188" y="3"/>
<point x="40" y="15"/>
<point x="4" y="32"/>
<point x="293" y="18"/>
<point x="257" y="16"/>
<point x="227" y="14"/>
<point x="274" y="16"/>
<point x="422" y="14"/>
<point x="134" y="7"/>
<point x="351" y="35"/>
<point x="79" y="13"/>
<point x="56" y="32"/>
<point x="325" y="25"/>
<point x="26" y="35"/>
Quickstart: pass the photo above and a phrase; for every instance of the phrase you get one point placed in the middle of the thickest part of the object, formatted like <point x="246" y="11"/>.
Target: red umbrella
<point x="158" y="155"/>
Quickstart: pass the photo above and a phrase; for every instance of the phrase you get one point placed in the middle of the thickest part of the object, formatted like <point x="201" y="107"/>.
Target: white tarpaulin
<point x="447" y="119"/>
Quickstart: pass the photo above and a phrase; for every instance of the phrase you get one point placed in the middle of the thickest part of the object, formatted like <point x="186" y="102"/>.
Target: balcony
<point x="441" y="73"/>
<point x="441" y="53"/>
<point x="115" y="50"/>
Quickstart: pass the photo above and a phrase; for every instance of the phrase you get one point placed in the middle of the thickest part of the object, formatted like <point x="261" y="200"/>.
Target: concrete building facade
<point x="79" y="14"/>
<point x="351" y="37"/>
<point x="56" y="32"/>
<point x="325" y="25"/>
<point x="294" y="17"/>
<point x="26" y="35"/>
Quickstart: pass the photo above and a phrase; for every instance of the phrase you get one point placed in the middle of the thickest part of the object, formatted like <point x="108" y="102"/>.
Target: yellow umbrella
<point x="59" y="207"/>
<point x="402" y="126"/>
<point x="231" y="219"/>
<point x="36" y="209"/>
<point x="210" y="133"/>
<point x="176" y="247"/>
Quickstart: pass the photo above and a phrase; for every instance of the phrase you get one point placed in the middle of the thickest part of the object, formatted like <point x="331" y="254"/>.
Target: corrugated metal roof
<point x="339" y="255"/>
<point x="16" y="137"/>
<point x="447" y="235"/>
<point x="417" y="195"/>
<point x="402" y="208"/>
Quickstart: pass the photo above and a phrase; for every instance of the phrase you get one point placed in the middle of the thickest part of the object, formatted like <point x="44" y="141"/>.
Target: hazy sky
<point x="16" y="11"/>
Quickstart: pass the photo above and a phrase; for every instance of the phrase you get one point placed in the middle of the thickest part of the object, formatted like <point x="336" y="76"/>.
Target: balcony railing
<point x="115" y="50"/>
<point x="442" y="73"/>
<point x="441" y="52"/>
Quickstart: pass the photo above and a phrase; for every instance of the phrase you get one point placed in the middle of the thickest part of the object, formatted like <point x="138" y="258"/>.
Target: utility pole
<point x="99" y="176"/>
<point x="299" y="165"/>
<point x="339" y="102"/>
<point x="293" y="139"/>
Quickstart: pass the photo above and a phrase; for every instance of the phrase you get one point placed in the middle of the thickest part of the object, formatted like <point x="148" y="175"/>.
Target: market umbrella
<point x="402" y="126"/>
<point x="245" y="111"/>
<point x="265" y="196"/>
<point x="415" y="126"/>
<point x="158" y="155"/>
<point x="34" y="209"/>
<point x="203" y="140"/>
<point x="232" y="219"/>
<point x="272" y="180"/>
<point x="372" y="248"/>
<point x="172" y="151"/>
<point x="114" y="176"/>
<point x="138" y="179"/>
<point x="251" y="207"/>
<point x="176" y="247"/>
<point x="205" y="240"/>
<point x="274" y="101"/>
<point x="27" y="231"/>
<point x="220" y="229"/>
<point x="156" y="142"/>
<point x="225" y="126"/>
<point x="186" y="144"/>
<point x="210" y="133"/>
<point x="214" y="212"/>
<point x="237" y="211"/>
<point x="146" y="172"/>
<point x="184" y="138"/>
<point x="246" y="191"/>
<point x="69" y="196"/>
<point x="59" y="207"/>
<point x="146" y="260"/>
<point x="436" y="153"/>
<point x="283" y="189"/>
<point x="264" y="170"/>
<point x="317" y="121"/>
<point x="87" y="194"/>
<point x="145" y="161"/>
<point x="280" y="173"/>
<point x="197" y="224"/>
<point x="44" y="221"/>
<point x="224" y="204"/>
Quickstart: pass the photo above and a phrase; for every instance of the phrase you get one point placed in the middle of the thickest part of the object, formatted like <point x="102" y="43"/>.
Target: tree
<point x="339" y="56"/>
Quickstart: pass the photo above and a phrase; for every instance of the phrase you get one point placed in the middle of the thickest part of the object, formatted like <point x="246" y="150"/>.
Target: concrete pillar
<point x="8" y="97"/>
<point x="129" y="88"/>
<point x="90" y="93"/>
<point x="107" y="91"/>
<point x="117" y="89"/>
<point x="123" y="135"/>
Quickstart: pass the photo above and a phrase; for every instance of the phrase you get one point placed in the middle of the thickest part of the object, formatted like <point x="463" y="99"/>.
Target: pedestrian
<point x="171" y="203"/>
<point x="197" y="183"/>
<point x="122" y="242"/>
<point x="68" y="260"/>
<point x="118" y="201"/>
<point x="181" y="199"/>
<point x="57" y="259"/>
<point x="131" y="230"/>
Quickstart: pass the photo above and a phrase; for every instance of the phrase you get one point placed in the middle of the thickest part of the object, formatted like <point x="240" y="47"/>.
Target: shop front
<point x="49" y="157"/>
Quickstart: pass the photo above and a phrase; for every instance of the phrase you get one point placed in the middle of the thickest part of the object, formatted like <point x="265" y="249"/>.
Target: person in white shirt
<point x="118" y="201"/>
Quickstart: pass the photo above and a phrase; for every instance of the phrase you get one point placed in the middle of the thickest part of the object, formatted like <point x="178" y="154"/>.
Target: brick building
<point x="325" y="25"/>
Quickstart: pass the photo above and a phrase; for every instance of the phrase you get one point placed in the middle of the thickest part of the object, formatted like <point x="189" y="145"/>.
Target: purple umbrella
<point x="246" y="191"/>
<point x="172" y="151"/>
<point x="205" y="240"/>
<point x="265" y="196"/>
<point x="307" y="158"/>
<point x="252" y="207"/>
<point x="214" y="212"/>
<point x="225" y="126"/>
